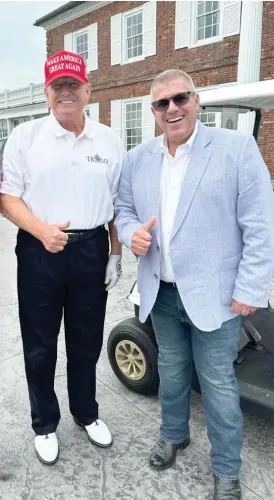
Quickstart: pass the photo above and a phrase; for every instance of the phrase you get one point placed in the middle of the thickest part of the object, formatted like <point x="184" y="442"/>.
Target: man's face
<point x="177" y="121"/>
<point x="67" y="97"/>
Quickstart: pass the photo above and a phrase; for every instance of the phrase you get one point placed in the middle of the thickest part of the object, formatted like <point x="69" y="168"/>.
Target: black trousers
<point x="69" y="282"/>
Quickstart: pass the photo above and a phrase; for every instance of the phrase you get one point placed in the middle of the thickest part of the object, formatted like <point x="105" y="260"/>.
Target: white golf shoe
<point x="46" y="448"/>
<point x="98" y="433"/>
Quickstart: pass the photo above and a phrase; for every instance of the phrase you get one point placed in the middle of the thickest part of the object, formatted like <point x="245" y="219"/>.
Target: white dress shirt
<point x="172" y="177"/>
<point x="61" y="177"/>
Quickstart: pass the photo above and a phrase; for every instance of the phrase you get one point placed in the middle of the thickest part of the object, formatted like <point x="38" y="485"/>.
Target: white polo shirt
<point x="172" y="177"/>
<point x="61" y="177"/>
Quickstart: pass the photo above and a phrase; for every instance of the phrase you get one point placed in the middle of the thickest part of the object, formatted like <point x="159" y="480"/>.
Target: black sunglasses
<point x="178" y="99"/>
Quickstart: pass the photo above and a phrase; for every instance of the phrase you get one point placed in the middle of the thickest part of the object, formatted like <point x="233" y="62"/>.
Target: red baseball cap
<point x="65" y="63"/>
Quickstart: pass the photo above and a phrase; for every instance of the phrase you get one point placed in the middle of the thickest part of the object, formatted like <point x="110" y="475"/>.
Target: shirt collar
<point x="186" y="146"/>
<point x="59" y="131"/>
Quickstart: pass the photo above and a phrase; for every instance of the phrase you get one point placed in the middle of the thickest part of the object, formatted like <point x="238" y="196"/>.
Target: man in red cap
<point x="60" y="180"/>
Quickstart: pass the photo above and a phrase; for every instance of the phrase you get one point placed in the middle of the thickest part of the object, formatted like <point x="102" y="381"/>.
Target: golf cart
<point x="132" y="348"/>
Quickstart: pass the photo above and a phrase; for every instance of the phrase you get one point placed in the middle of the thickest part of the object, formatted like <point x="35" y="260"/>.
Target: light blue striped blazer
<point x="222" y="243"/>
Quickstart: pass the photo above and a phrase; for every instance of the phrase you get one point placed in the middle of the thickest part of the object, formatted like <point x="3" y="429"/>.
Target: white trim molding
<point x="118" y="34"/>
<point x="186" y="23"/>
<point x="71" y="14"/>
<point x="70" y="43"/>
<point x="118" y="108"/>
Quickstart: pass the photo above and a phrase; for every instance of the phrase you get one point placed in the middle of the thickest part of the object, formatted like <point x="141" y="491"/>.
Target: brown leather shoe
<point x="226" y="489"/>
<point x="163" y="454"/>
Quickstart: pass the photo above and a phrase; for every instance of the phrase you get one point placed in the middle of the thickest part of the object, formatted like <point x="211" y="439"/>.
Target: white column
<point x="9" y="125"/>
<point x="31" y="93"/>
<point x="249" y="53"/>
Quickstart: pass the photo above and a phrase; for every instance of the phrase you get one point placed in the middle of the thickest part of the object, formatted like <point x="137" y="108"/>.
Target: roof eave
<point x="64" y="8"/>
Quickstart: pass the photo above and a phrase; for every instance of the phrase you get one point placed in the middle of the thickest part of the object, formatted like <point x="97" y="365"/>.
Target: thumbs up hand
<point x="141" y="239"/>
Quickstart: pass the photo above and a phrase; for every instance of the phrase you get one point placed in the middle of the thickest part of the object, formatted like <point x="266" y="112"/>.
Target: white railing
<point x="24" y="95"/>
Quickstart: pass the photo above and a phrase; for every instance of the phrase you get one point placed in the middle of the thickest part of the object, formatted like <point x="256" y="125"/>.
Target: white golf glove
<point x="113" y="271"/>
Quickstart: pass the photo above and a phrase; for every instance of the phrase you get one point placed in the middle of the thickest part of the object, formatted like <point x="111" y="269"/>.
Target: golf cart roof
<point x="258" y="95"/>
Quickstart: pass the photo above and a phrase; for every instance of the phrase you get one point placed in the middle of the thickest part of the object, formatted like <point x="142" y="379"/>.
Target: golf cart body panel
<point x="248" y="96"/>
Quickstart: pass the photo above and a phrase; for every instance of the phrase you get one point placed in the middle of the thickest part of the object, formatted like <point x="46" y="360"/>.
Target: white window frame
<point x="194" y="42"/>
<point x="74" y="40"/>
<point x="3" y="128"/>
<point x="70" y="44"/>
<point x="21" y="120"/>
<point x="93" y="109"/>
<point x="124" y="106"/>
<point x="125" y="15"/>
<point x="217" y="116"/>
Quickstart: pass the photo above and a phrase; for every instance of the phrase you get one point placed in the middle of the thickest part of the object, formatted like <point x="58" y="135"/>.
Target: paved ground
<point x="120" y="473"/>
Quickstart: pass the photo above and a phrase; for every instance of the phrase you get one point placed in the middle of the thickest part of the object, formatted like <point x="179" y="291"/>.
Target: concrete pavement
<point x="83" y="471"/>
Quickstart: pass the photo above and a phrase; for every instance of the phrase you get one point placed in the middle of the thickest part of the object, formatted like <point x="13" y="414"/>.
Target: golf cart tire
<point x="139" y="334"/>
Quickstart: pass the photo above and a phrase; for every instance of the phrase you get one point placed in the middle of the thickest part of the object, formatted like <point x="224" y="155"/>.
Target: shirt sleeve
<point x="115" y="171"/>
<point x="12" y="178"/>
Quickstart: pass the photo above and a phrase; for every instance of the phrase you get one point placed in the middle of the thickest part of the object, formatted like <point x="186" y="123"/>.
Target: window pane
<point x="201" y="8"/>
<point x="133" y="124"/>
<point x="3" y="129"/>
<point x="208" y="20"/>
<point x="208" y="6"/>
<point x="82" y="45"/>
<point x="201" y="22"/>
<point x="139" y="29"/>
<point x="135" y="46"/>
<point x="215" y="18"/>
<point x="216" y="6"/>
<point x="139" y="122"/>
<point x="201" y="34"/>
<point x="134" y="36"/>
<point x="134" y="30"/>
<point x="215" y="30"/>
<point x="208" y="32"/>
<point x="207" y="119"/>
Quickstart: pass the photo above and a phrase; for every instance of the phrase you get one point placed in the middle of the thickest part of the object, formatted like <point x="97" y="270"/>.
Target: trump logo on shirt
<point x="96" y="158"/>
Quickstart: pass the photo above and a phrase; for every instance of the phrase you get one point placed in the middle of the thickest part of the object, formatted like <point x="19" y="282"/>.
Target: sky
<point x="22" y="45"/>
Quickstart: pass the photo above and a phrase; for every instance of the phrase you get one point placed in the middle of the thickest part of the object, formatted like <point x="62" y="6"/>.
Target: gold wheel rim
<point x="130" y="360"/>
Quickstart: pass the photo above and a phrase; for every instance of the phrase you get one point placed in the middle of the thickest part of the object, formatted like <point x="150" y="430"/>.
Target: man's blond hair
<point x="172" y="74"/>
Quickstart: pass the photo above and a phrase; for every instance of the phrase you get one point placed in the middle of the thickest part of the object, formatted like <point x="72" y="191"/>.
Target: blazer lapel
<point x="153" y="176"/>
<point x="199" y="157"/>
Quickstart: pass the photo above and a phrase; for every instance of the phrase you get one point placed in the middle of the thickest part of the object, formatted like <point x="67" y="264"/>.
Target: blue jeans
<point x="214" y="353"/>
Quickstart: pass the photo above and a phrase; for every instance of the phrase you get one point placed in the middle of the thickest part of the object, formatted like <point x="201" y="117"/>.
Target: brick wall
<point x="266" y="139"/>
<point x="208" y="65"/>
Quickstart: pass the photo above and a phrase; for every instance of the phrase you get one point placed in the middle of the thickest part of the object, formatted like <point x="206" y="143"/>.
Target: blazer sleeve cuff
<point x="250" y="299"/>
<point x="128" y="232"/>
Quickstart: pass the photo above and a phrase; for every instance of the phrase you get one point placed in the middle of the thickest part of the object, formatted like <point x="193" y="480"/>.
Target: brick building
<point x="125" y="44"/>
